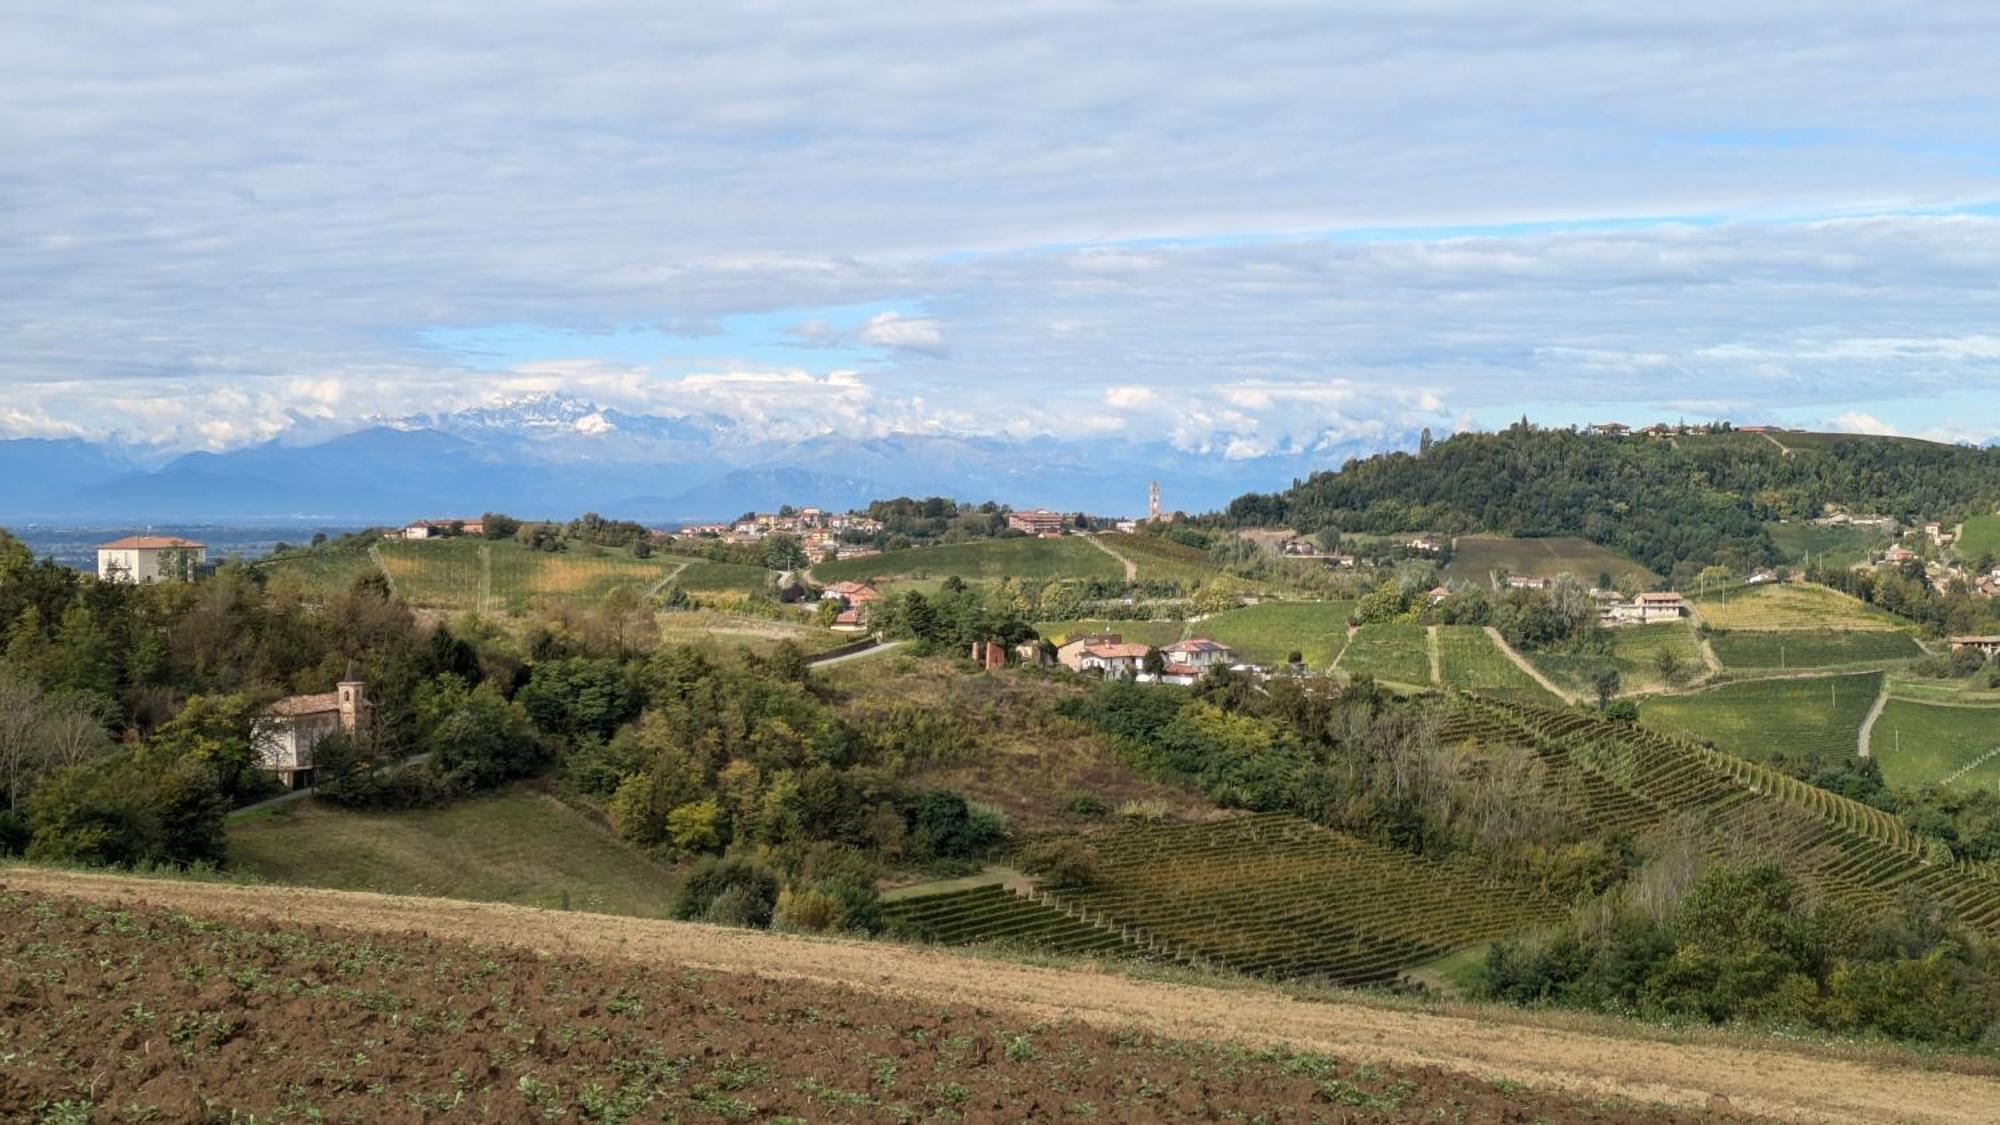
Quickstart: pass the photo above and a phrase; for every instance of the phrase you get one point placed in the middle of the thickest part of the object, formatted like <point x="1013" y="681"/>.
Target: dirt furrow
<point x="1765" y="1080"/>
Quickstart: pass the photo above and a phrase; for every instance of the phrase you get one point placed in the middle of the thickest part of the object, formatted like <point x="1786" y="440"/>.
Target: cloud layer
<point x="1244" y="227"/>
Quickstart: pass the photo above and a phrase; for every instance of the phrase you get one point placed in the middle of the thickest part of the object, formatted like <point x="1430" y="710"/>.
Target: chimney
<point x="353" y="705"/>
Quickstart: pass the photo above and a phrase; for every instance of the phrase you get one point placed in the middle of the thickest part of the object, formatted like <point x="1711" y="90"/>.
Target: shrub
<point x="752" y="891"/>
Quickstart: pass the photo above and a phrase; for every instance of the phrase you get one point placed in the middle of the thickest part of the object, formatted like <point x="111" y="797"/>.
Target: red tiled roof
<point x="305" y="704"/>
<point x="1118" y="652"/>
<point x="147" y="542"/>
<point x="1198" y="644"/>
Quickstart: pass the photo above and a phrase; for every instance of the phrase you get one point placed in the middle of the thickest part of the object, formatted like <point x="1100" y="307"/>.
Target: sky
<point x="1243" y="227"/>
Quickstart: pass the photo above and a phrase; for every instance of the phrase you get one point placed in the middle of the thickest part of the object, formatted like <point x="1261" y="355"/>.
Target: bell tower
<point x="1153" y="504"/>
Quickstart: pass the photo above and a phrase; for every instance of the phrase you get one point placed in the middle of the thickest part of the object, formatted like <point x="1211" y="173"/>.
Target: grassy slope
<point x="518" y="847"/>
<point x="1266" y="634"/>
<point x="1792" y="605"/>
<point x="1819" y="716"/>
<point x="1635" y="652"/>
<point x="1921" y="745"/>
<point x="1397" y="652"/>
<point x="1474" y="558"/>
<point x="1037" y="559"/>
<point x="1161" y="559"/>
<point x="1155" y="633"/>
<point x="1468" y="659"/>
<point x="1797" y="648"/>
<point x="1831" y="546"/>
<point x="1981" y="536"/>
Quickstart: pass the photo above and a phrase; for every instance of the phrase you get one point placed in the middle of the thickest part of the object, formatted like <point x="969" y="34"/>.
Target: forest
<point x="1675" y="505"/>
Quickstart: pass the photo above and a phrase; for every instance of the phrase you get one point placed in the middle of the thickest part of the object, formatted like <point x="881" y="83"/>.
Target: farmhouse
<point x="1198" y="654"/>
<point x="1117" y="659"/>
<point x="150" y="558"/>
<point x="1526" y="582"/>
<point x="1647" y="609"/>
<point x="289" y="729"/>
<point x="1039" y="521"/>
<point x="1761" y="578"/>
<point x="1898" y="555"/>
<point x="1988" y="645"/>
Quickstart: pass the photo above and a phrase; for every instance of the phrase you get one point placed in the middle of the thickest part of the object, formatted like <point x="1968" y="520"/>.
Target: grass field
<point x="1920" y="745"/>
<point x="1798" y="648"/>
<point x="1267" y="633"/>
<point x="1815" y="716"/>
<point x="702" y="574"/>
<point x="1980" y="537"/>
<point x="1155" y="633"/>
<point x="1397" y="652"/>
<point x="1635" y="654"/>
<point x="1468" y="659"/>
<point x="519" y="847"/>
<point x="1829" y="546"/>
<point x="323" y="570"/>
<point x="1476" y="558"/>
<point x="1924" y="689"/>
<point x="1033" y="559"/>
<point x="1161" y="559"/>
<point x="1792" y="605"/>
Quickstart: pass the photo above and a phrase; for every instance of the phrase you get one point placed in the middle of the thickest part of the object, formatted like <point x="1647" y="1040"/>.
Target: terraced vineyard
<point x="1267" y="633"/>
<point x="1792" y="605"/>
<point x="992" y="913"/>
<point x="1276" y="895"/>
<point x="985" y="560"/>
<point x="1616" y="776"/>
<point x="1395" y="652"/>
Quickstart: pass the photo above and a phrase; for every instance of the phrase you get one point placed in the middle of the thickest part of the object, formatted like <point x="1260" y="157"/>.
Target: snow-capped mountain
<point x="555" y="455"/>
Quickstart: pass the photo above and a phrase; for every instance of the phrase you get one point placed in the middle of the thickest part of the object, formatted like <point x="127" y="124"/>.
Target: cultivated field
<point x="702" y="575"/>
<point x="1799" y="648"/>
<point x="1798" y="540"/>
<point x="990" y="559"/>
<point x="1792" y="605"/>
<point x="1815" y="716"/>
<point x="303" y="1004"/>
<point x="1161" y="559"/>
<point x="1394" y="652"/>
<point x="1469" y="660"/>
<point x="1267" y="633"/>
<point x="519" y="847"/>
<point x="1952" y="747"/>
<point x="1635" y="655"/>
<point x="1980" y="537"/>
<point x="324" y="570"/>
<point x="1155" y="633"/>
<point x="1477" y="558"/>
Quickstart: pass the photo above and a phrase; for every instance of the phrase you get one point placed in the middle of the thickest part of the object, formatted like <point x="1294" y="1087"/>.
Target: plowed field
<point x="201" y="999"/>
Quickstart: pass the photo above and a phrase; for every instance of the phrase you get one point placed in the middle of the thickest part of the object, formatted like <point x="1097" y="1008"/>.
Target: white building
<point x="1647" y="609"/>
<point x="1198" y="654"/>
<point x="150" y="558"/>
<point x="289" y="729"/>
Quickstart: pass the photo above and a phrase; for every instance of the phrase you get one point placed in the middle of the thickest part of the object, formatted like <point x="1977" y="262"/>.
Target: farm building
<point x="1647" y="609"/>
<point x="1527" y="582"/>
<point x="1102" y="652"/>
<point x="1039" y="521"/>
<point x="1989" y="645"/>
<point x="289" y="729"/>
<point x="150" y="558"/>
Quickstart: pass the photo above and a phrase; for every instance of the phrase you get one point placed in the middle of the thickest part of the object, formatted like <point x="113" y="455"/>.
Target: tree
<point x="1606" y="684"/>
<point x="479" y="738"/>
<point x="784" y="552"/>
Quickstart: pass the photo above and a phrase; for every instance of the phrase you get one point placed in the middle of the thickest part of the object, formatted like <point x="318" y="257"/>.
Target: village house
<point x="1113" y="659"/>
<point x="150" y="558"/>
<point x="288" y="731"/>
<point x="1039" y="521"/>
<point x="855" y="551"/>
<point x="1761" y="578"/>
<point x="1425" y="544"/>
<point x="1649" y="608"/>
<point x="1526" y="582"/>
<point x="1198" y="653"/>
<point x="439" y="529"/>
<point x="1126" y="527"/>
<point x="1897" y="555"/>
<point x="1610" y="429"/>
<point x="1988" y="645"/>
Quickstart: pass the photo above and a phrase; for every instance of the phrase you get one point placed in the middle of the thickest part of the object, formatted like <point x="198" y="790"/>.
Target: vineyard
<point x="995" y="914"/>
<point x="1477" y="558"/>
<point x="1162" y="559"/>
<point x="1394" y="652"/>
<point x="1813" y="716"/>
<point x="1979" y="538"/>
<point x="1155" y="633"/>
<point x="462" y="575"/>
<point x="1617" y="777"/>
<point x="1636" y="652"/>
<point x="1267" y="633"/>
<point x="987" y="559"/>
<point x="1790" y="648"/>
<point x="1949" y="746"/>
<point x="1470" y="660"/>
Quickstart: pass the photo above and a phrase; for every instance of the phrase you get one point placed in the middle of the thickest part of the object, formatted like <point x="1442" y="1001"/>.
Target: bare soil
<point x="709" y="1007"/>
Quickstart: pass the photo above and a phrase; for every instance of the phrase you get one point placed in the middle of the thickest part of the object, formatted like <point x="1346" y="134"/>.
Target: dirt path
<point x="1782" y="447"/>
<point x="375" y="553"/>
<point x="1533" y="672"/>
<point x="1708" y="657"/>
<point x="1874" y="713"/>
<point x="1756" y="1079"/>
<point x="1437" y="658"/>
<point x="1131" y="568"/>
<point x="873" y="650"/>
<point x="653" y="591"/>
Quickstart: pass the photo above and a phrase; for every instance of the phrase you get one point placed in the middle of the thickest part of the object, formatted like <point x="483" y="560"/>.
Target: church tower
<point x="1153" y="504"/>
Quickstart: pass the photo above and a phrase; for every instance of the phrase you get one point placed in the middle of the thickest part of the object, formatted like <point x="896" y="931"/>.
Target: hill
<point x="1483" y="558"/>
<point x="1674" y="503"/>
<point x="964" y="1031"/>
<point x="1028" y="559"/>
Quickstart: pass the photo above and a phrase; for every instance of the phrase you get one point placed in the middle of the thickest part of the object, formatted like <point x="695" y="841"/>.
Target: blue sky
<point x="1241" y="227"/>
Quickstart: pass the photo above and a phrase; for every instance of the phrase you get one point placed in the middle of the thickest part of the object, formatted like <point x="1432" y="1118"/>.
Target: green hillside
<point x="1155" y="633"/>
<point x="1816" y="717"/>
<point x="1791" y="605"/>
<point x="1394" y="652"/>
<point x="517" y="846"/>
<point x="1798" y="648"/>
<point x="460" y="575"/>
<point x="1980" y="538"/>
<point x="1797" y="541"/>
<point x="1072" y="556"/>
<point x="1267" y="633"/>
<point x="1950" y="746"/>
<point x="1636" y="655"/>
<point x="1470" y="661"/>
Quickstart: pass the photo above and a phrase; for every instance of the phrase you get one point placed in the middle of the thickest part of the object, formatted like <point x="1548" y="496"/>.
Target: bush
<point x="1064" y="860"/>
<point x="750" y="887"/>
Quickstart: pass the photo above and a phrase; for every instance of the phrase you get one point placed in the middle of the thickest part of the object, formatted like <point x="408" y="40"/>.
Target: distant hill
<point x="1672" y="503"/>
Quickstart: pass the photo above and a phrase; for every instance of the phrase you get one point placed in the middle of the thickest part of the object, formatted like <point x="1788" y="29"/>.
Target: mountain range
<point x="557" y="455"/>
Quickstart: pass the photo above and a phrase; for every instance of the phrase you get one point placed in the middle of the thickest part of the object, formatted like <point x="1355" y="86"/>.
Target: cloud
<point x="904" y="333"/>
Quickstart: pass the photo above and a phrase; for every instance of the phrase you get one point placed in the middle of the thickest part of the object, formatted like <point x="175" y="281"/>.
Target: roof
<point x="1660" y="597"/>
<point x="1988" y="639"/>
<point x="305" y="704"/>
<point x="1198" y="644"/>
<point x="1118" y="651"/>
<point x="1089" y="639"/>
<point x="148" y="542"/>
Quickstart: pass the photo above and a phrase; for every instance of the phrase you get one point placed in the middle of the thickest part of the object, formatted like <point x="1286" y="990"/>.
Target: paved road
<point x="875" y="650"/>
